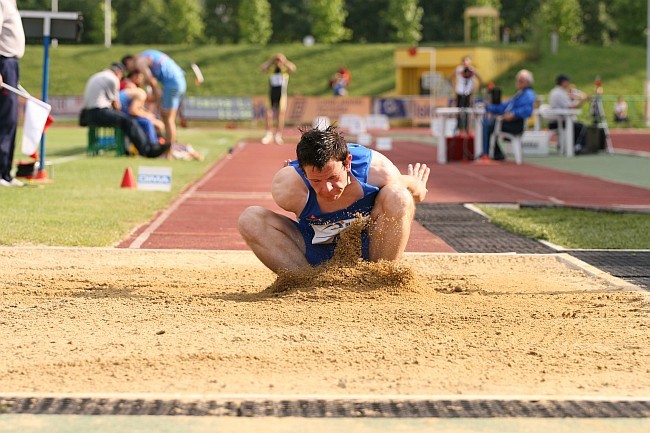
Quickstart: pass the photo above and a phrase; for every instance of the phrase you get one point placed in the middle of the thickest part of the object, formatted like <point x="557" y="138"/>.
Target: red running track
<point x="205" y="215"/>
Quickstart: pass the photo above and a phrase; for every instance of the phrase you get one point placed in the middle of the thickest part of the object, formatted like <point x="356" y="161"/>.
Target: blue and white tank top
<point x="325" y="227"/>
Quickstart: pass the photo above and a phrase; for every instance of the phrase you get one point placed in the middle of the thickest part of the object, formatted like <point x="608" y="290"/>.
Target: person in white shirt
<point x="561" y="98"/>
<point x="620" y="112"/>
<point x="465" y="80"/>
<point x="102" y="107"/>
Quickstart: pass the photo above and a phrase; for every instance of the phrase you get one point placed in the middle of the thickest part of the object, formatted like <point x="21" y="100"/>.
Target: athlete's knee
<point x="251" y="221"/>
<point x="395" y="201"/>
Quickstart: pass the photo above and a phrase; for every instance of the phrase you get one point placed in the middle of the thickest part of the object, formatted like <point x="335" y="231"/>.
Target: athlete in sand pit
<point x="329" y="185"/>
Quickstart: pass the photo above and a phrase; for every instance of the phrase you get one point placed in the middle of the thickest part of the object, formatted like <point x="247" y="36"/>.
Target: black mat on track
<point x="632" y="266"/>
<point x="468" y="232"/>
<point x="316" y="408"/>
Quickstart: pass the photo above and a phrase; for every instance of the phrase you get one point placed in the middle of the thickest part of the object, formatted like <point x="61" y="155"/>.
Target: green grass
<point x="628" y="169"/>
<point x="85" y="205"/>
<point x="229" y="70"/>
<point x="232" y="70"/>
<point x="571" y="228"/>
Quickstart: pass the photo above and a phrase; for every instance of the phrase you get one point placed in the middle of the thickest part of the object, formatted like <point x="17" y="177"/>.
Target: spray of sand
<point x="347" y="271"/>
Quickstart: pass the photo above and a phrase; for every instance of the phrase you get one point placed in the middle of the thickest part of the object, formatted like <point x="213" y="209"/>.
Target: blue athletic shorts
<point x="317" y="254"/>
<point x="173" y="90"/>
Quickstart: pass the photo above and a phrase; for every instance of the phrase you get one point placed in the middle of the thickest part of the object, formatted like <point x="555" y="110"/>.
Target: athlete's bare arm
<point x="384" y="172"/>
<point x="288" y="190"/>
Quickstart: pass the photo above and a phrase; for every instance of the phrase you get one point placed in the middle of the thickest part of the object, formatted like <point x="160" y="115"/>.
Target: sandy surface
<point x="131" y="321"/>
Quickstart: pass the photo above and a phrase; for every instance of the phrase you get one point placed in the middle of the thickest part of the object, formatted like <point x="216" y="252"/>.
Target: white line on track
<point x="144" y="236"/>
<point x="506" y="185"/>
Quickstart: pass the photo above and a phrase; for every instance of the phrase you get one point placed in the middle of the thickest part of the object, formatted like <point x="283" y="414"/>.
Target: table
<point x="564" y="118"/>
<point x="475" y="113"/>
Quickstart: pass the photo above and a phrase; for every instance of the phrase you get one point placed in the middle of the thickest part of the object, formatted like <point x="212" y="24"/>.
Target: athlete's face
<point x="330" y="182"/>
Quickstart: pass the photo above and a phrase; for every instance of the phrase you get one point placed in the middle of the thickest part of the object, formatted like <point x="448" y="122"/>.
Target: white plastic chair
<point x="559" y="132"/>
<point x="514" y="139"/>
<point x="353" y="123"/>
<point x="377" y="122"/>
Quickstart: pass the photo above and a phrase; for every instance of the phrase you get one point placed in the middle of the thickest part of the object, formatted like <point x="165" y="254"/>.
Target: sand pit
<point x="191" y="322"/>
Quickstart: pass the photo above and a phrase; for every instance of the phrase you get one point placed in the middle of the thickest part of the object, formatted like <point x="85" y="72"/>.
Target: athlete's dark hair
<point x="317" y="147"/>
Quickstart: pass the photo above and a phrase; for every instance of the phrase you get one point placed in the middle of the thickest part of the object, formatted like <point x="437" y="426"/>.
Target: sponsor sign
<point x="304" y="109"/>
<point x="154" y="178"/>
<point x="217" y="108"/>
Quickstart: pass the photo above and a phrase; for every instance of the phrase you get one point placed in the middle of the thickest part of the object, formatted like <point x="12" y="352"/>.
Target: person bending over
<point x="327" y="187"/>
<point x="167" y="81"/>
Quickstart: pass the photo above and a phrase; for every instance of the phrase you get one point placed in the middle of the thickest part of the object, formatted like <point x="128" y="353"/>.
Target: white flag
<point x="36" y="114"/>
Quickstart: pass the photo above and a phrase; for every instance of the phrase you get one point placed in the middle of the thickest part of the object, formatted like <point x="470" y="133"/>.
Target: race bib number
<point x="277" y="80"/>
<point x="327" y="233"/>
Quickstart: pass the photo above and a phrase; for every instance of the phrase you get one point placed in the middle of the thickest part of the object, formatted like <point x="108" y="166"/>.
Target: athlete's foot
<point x="278" y="138"/>
<point x="267" y="138"/>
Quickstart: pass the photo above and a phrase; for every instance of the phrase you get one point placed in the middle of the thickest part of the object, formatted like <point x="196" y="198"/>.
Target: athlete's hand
<point x="421" y="174"/>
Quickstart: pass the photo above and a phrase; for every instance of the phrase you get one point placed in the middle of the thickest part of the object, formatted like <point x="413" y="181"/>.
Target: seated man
<point x="514" y="112"/>
<point x="561" y="97"/>
<point x="326" y="188"/>
<point x="102" y="108"/>
<point x="620" y="111"/>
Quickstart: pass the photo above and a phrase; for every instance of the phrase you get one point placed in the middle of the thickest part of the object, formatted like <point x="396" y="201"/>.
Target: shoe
<point x="267" y="138"/>
<point x="11" y="183"/>
<point x="278" y="138"/>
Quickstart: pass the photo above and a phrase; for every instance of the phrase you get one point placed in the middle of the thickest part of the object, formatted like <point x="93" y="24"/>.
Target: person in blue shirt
<point x="329" y="185"/>
<point x="514" y="112"/>
<point x="160" y="70"/>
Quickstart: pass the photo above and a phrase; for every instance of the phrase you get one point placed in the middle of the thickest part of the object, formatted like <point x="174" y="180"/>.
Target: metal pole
<point x="107" y="23"/>
<point x="46" y="77"/>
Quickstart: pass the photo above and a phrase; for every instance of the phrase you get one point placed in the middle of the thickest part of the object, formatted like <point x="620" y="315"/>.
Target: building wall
<point x="489" y="62"/>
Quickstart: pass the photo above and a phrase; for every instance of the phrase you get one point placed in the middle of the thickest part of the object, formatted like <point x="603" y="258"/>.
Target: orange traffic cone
<point x="128" y="181"/>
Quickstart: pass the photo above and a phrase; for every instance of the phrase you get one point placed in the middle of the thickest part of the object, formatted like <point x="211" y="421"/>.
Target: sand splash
<point x="346" y="270"/>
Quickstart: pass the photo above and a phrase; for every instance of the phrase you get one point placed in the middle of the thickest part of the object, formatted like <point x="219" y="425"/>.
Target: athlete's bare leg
<point x="273" y="238"/>
<point x="391" y="220"/>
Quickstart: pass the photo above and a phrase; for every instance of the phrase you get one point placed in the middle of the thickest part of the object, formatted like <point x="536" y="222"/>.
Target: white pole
<point x="107" y="23"/>
<point x="55" y="8"/>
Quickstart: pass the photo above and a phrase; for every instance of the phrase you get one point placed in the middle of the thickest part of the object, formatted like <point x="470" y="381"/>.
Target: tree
<point x="329" y="21"/>
<point x="254" y="19"/>
<point x="145" y="25"/>
<point x="405" y="17"/>
<point x="185" y="21"/>
<point x="598" y="23"/>
<point x="291" y="20"/>
<point x="443" y="20"/>
<point x="158" y="21"/>
<point x="631" y="21"/>
<point x="565" y="16"/>
<point x="220" y="20"/>
<point x="517" y="16"/>
<point x="368" y="20"/>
